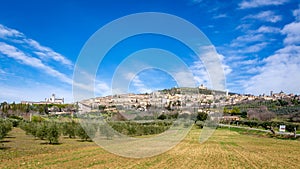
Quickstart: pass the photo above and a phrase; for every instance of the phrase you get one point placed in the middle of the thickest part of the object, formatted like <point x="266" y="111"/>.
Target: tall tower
<point x="53" y="98"/>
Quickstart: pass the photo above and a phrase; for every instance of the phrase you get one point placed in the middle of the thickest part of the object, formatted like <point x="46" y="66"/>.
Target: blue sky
<point x="257" y="41"/>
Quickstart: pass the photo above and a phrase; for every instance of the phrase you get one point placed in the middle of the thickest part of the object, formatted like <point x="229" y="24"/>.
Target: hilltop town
<point x="175" y="98"/>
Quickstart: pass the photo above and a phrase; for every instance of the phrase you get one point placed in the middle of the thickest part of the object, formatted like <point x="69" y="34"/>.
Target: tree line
<point x="132" y="128"/>
<point x="9" y="109"/>
<point x="268" y="125"/>
<point x="51" y="130"/>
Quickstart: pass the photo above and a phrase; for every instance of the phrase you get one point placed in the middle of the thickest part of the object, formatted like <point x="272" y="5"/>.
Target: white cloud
<point x="296" y="14"/>
<point x="292" y="33"/>
<point x="8" y="32"/>
<point x="253" y="41"/>
<point x="245" y="39"/>
<point x="268" y="29"/>
<point x="13" y="52"/>
<point x="185" y="78"/>
<point x="2" y="71"/>
<point x="200" y="73"/>
<point x="137" y="82"/>
<point x="260" y="3"/>
<point x="253" y="48"/>
<point x="46" y="52"/>
<point x="225" y="67"/>
<point x="129" y="76"/>
<point x="87" y="85"/>
<point x="247" y="62"/>
<point x="102" y="88"/>
<point x="196" y="1"/>
<point x="280" y="72"/>
<point x="134" y="82"/>
<point x="42" y="51"/>
<point x="17" y="46"/>
<point x="267" y="16"/>
<point x="220" y="16"/>
<point x="243" y="27"/>
<point x="139" y="86"/>
<point x="252" y="70"/>
<point x="213" y="62"/>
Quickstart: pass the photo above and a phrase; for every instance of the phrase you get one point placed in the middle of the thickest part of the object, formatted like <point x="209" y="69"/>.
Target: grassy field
<point x="225" y="149"/>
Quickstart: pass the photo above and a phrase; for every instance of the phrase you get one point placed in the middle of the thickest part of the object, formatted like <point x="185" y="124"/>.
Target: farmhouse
<point x="230" y="118"/>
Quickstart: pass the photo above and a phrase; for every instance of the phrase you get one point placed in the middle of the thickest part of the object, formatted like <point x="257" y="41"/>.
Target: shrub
<point x="37" y="119"/>
<point x="162" y="117"/>
<point x="202" y="116"/>
<point x="290" y="127"/>
<point x="15" y="122"/>
<point x="200" y="124"/>
<point x="251" y="123"/>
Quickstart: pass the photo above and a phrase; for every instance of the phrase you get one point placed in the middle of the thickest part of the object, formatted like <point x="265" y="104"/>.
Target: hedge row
<point x="268" y="124"/>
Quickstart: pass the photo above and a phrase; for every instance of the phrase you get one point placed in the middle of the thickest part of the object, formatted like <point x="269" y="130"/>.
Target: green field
<point x="225" y="149"/>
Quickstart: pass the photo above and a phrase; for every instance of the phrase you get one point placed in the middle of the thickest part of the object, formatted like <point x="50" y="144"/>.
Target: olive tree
<point x="5" y="127"/>
<point x="53" y="133"/>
